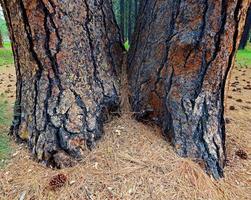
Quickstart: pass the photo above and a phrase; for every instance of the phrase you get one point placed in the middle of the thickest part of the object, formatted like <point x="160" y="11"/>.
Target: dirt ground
<point x="133" y="161"/>
<point x="8" y="82"/>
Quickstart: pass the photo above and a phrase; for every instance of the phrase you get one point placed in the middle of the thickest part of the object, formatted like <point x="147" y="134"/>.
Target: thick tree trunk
<point x="1" y="40"/>
<point x="178" y="65"/>
<point x="247" y="28"/>
<point x="67" y="56"/>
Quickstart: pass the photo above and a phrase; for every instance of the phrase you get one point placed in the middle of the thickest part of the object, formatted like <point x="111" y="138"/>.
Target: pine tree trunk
<point x="1" y="40"/>
<point x="247" y="28"/>
<point x="122" y="18"/>
<point x="135" y="9"/>
<point x="178" y="64"/>
<point x="67" y="57"/>
<point x="130" y="20"/>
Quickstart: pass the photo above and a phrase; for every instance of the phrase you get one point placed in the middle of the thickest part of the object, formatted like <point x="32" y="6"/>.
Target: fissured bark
<point x="181" y="54"/>
<point x="67" y="57"/>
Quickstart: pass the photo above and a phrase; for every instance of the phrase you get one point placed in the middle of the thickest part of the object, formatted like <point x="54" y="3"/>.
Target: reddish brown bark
<point x="68" y="57"/>
<point x="1" y="40"/>
<point x="178" y="64"/>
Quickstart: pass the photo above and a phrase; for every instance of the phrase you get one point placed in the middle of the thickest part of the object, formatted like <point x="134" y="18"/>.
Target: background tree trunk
<point x="247" y="28"/>
<point x="181" y="54"/>
<point x="136" y="3"/>
<point x="130" y="22"/>
<point x="122" y="18"/>
<point x="1" y="40"/>
<point x="67" y="57"/>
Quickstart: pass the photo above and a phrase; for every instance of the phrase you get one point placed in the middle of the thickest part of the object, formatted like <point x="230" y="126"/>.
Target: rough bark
<point x="247" y="28"/>
<point x="1" y="40"/>
<point x="67" y="58"/>
<point x="178" y="64"/>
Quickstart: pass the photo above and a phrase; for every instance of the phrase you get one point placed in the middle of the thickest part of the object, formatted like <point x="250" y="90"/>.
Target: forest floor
<point x="132" y="160"/>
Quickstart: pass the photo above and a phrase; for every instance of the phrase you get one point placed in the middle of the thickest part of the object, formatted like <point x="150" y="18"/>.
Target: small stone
<point x="96" y="165"/>
<point x="130" y="191"/>
<point x="118" y="132"/>
<point x="22" y="196"/>
<point x="72" y="182"/>
<point x="15" y="154"/>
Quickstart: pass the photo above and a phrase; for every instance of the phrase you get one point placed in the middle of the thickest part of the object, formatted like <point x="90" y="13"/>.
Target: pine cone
<point x="242" y="154"/>
<point x="57" y="181"/>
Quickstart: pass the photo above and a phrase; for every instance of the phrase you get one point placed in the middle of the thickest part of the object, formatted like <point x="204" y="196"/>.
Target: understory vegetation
<point x="6" y="56"/>
<point x="5" y="119"/>
<point x="243" y="57"/>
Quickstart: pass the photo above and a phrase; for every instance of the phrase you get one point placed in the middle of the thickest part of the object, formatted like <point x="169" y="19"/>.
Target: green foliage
<point x="243" y="57"/>
<point x="6" y="55"/>
<point x="3" y="110"/>
<point x="5" y="120"/>
<point x="127" y="45"/>
<point x="3" y="28"/>
<point x="5" y="148"/>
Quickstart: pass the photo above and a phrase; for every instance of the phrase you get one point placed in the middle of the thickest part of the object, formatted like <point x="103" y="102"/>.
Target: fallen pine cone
<point x="227" y="121"/>
<point x="57" y="181"/>
<point x="231" y="108"/>
<point x="242" y="154"/>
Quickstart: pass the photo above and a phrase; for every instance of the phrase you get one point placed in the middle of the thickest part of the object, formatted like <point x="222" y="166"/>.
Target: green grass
<point x="6" y="55"/>
<point x="243" y="57"/>
<point x="5" y="149"/>
<point x="5" y="120"/>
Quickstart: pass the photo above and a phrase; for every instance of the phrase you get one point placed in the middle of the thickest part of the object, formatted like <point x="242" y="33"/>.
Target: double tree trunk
<point x="68" y="58"/>
<point x="181" y="54"/>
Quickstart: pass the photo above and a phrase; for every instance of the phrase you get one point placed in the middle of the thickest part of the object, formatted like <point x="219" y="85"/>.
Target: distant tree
<point x="136" y="7"/>
<point x="1" y="40"/>
<point x="122" y="18"/>
<point x="130" y="19"/>
<point x="246" y="32"/>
